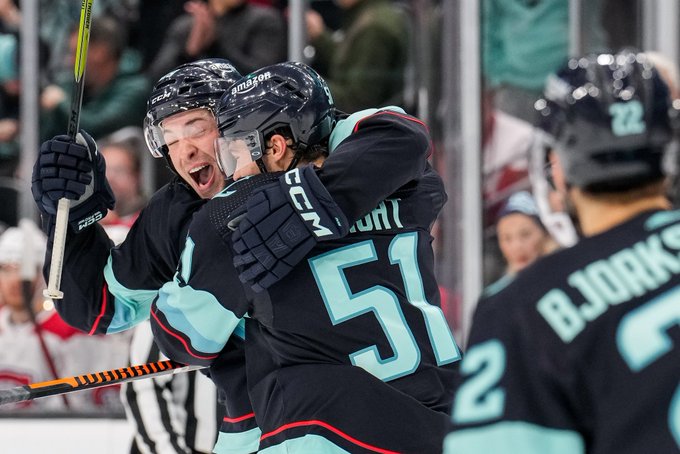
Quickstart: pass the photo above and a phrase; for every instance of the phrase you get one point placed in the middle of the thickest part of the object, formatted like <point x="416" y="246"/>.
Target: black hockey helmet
<point x="285" y="95"/>
<point x="198" y="84"/>
<point x="609" y="119"/>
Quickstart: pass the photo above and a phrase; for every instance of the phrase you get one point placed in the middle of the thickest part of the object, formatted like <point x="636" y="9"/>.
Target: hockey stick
<point x="89" y="381"/>
<point x="57" y="259"/>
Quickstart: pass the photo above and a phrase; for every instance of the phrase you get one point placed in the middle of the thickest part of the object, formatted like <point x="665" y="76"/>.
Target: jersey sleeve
<point x="196" y="313"/>
<point x="374" y="153"/>
<point x="509" y="397"/>
<point x="109" y="289"/>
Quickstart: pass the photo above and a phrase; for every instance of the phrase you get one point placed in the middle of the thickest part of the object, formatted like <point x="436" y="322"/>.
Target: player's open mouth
<point x="202" y="175"/>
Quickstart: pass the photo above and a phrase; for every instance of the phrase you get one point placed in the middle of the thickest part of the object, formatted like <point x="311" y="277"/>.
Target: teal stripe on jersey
<point x="237" y="443"/>
<point x="511" y="437"/>
<point x="309" y="443"/>
<point x="240" y="330"/>
<point x="131" y="306"/>
<point x="198" y="315"/>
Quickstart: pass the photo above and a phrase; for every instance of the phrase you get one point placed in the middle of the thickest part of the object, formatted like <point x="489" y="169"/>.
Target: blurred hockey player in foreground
<point x="580" y="354"/>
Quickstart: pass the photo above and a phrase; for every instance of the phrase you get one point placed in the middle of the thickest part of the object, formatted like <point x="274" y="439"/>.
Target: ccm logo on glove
<point x="301" y="202"/>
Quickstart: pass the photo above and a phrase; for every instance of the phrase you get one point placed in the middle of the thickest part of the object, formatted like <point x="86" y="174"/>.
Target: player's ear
<point x="278" y="147"/>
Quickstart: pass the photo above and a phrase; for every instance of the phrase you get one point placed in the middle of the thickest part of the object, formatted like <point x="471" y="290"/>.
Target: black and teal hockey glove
<point x="282" y="224"/>
<point x="75" y="171"/>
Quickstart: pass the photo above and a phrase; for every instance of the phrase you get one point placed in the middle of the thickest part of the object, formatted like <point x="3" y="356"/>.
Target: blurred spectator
<point x="123" y="171"/>
<point x="249" y="36"/>
<point x="525" y="40"/>
<point x="114" y="96"/>
<point x="522" y="238"/>
<point x="59" y="17"/>
<point x="9" y="105"/>
<point x="10" y="17"/>
<point x="29" y="351"/>
<point x="507" y="143"/>
<point x="10" y="89"/>
<point x="35" y="343"/>
<point x="364" y="62"/>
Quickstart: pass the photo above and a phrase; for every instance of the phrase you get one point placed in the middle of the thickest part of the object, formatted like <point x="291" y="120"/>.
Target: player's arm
<point x="105" y="289"/>
<point x="508" y="397"/>
<point x="374" y="153"/>
<point x="196" y="313"/>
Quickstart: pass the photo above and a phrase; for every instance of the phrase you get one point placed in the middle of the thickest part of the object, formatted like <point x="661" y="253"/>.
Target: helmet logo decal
<point x="166" y="94"/>
<point x="251" y="83"/>
<point x="627" y="118"/>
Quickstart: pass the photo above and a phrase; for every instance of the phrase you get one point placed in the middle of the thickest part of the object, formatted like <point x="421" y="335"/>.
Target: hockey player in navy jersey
<point x="110" y="289"/>
<point x="580" y="353"/>
<point x="349" y="351"/>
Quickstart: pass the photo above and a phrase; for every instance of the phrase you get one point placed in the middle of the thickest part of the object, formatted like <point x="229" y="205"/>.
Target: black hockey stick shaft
<point x="90" y="381"/>
<point x="64" y="206"/>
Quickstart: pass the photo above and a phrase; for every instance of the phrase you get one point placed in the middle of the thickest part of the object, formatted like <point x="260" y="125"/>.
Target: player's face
<point x="521" y="240"/>
<point x="190" y="137"/>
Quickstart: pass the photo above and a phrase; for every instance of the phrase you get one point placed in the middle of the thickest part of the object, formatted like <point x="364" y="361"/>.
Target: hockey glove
<point x="76" y="171"/>
<point x="282" y="223"/>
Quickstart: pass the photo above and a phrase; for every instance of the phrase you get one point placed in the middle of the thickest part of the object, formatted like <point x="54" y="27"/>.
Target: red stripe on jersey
<point x="332" y="429"/>
<point x="179" y="338"/>
<point x="239" y="418"/>
<point x="396" y="114"/>
<point x="105" y="298"/>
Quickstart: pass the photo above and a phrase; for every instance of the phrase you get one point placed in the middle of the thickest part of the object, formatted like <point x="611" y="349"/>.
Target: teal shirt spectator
<point x="525" y="40"/>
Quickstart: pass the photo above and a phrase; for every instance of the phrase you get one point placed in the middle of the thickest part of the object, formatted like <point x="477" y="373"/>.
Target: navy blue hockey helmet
<point x="198" y="84"/>
<point x="285" y="95"/>
<point x="609" y="119"/>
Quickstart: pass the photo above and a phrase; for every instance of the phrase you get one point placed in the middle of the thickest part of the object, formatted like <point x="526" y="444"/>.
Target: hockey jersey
<point x="580" y="353"/>
<point x="368" y="300"/>
<point x="110" y="289"/>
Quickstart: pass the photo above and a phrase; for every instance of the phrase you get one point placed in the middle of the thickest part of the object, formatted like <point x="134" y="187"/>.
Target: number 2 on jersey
<point x="642" y="338"/>
<point x="343" y="305"/>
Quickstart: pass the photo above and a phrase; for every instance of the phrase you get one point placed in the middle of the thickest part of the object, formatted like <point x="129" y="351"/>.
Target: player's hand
<point x="282" y="223"/>
<point x="75" y="171"/>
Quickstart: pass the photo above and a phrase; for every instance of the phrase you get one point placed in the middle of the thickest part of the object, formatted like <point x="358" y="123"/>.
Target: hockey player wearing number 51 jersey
<point x="349" y="352"/>
<point x="110" y="289"/>
<point x="581" y="352"/>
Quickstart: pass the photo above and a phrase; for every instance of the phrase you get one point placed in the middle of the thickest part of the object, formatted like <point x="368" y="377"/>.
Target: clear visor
<point x="551" y="203"/>
<point x="162" y="136"/>
<point x="237" y="151"/>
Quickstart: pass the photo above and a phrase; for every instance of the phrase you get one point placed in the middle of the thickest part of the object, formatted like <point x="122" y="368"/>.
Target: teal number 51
<point x="343" y="305"/>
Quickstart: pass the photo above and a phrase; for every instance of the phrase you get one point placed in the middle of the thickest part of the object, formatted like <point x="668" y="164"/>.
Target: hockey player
<point x="110" y="289"/>
<point x="361" y="297"/>
<point x="580" y="354"/>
